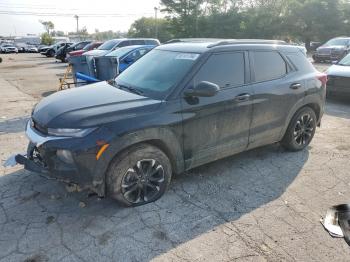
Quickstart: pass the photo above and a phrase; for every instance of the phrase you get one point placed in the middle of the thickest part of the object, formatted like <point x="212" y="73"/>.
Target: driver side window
<point x="224" y="69"/>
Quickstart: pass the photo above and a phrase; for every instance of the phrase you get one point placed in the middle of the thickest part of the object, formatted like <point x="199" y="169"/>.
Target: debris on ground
<point x="73" y="188"/>
<point x="82" y="204"/>
<point x="336" y="221"/>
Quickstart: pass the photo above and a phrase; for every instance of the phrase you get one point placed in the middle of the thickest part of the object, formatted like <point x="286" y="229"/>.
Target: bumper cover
<point x="42" y="158"/>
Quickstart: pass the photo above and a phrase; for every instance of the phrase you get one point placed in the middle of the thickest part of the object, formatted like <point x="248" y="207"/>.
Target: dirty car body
<point x="191" y="108"/>
<point x="339" y="78"/>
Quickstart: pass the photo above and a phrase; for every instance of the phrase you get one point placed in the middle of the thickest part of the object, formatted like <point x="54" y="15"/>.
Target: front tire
<point x="139" y="175"/>
<point x="301" y="130"/>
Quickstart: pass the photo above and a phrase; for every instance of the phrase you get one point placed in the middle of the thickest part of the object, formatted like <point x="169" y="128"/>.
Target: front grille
<point x="324" y="52"/>
<point x="338" y="81"/>
<point x="39" y="127"/>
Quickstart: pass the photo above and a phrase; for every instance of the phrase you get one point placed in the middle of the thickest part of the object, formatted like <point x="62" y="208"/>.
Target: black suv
<point x="180" y="106"/>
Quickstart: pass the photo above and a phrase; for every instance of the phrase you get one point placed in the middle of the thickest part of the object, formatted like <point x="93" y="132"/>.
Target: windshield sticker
<point x="187" y="56"/>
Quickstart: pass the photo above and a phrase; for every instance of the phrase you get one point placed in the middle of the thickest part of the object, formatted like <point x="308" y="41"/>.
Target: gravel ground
<point x="261" y="205"/>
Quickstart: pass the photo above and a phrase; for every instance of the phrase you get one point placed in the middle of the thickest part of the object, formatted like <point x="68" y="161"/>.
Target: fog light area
<point x="65" y="156"/>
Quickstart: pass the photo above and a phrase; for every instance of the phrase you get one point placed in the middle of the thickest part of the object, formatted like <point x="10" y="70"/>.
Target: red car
<point x="89" y="47"/>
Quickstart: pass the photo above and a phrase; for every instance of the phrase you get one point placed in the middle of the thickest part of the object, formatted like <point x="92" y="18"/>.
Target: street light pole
<point x="156" y="21"/>
<point x="77" y="17"/>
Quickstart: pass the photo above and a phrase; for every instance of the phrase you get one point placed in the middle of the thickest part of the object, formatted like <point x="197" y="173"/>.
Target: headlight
<point x="70" y="132"/>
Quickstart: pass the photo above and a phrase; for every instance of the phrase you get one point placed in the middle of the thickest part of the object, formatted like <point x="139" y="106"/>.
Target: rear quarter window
<point x="151" y="42"/>
<point x="268" y="65"/>
<point x="300" y="62"/>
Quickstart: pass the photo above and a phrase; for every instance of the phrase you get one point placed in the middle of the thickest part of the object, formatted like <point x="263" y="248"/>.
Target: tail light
<point x="323" y="78"/>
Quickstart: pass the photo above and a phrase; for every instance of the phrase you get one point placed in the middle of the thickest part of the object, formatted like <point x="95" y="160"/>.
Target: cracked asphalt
<point x="261" y="205"/>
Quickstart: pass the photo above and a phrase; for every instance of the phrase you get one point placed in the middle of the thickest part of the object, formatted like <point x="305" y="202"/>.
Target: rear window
<point x="151" y="42"/>
<point x="137" y="42"/>
<point x="108" y="45"/>
<point x="301" y="62"/>
<point x="268" y="65"/>
<point x="124" y="43"/>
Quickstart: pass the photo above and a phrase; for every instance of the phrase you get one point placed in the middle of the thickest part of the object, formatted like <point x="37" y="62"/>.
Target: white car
<point x="32" y="49"/>
<point x="8" y="48"/>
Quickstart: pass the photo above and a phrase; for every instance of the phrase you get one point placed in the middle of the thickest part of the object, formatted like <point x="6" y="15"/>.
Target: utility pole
<point x="156" y="21"/>
<point x="77" y="17"/>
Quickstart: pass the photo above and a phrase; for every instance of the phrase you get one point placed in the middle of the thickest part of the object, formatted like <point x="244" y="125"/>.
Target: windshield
<point x="120" y="51"/>
<point x="157" y="72"/>
<point x="345" y="61"/>
<point x="338" y="41"/>
<point x="108" y="45"/>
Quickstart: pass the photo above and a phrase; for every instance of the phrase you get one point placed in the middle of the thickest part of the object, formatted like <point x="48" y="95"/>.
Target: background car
<point x="9" y="48"/>
<point x="113" y="44"/>
<point x="129" y="54"/>
<point x="32" y="49"/>
<point x="22" y="47"/>
<point x="334" y="50"/>
<point x="339" y="78"/>
<point x="51" y="50"/>
<point x="61" y="53"/>
<point x="87" y="48"/>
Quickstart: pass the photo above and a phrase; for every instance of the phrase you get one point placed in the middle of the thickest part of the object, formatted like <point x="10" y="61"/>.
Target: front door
<point x="218" y="126"/>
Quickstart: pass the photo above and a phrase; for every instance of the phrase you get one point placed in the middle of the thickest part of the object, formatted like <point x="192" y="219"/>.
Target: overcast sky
<point x="116" y="15"/>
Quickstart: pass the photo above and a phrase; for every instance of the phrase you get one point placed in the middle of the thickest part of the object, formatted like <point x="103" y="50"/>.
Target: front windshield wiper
<point x="129" y="88"/>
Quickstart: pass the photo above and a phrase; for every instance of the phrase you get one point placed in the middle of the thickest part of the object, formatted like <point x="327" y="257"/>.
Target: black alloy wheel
<point x="143" y="182"/>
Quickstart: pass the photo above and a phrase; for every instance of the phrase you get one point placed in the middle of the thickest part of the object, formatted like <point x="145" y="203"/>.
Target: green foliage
<point x="46" y="39"/>
<point x="48" y="25"/>
<point x="146" y="27"/>
<point x="106" y="35"/>
<point x="299" y="20"/>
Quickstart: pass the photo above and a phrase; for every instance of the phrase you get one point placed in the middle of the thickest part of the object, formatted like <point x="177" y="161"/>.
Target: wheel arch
<point x="312" y="104"/>
<point x="162" y="138"/>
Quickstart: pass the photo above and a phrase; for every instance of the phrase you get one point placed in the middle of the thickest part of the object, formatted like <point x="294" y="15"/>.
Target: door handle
<point x="242" y="97"/>
<point x="295" y="86"/>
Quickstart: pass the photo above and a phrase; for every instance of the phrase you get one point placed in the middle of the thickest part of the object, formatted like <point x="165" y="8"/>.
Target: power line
<point x="30" y="13"/>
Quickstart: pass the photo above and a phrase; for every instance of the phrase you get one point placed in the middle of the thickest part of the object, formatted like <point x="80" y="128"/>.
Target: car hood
<point x="338" y="70"/>
<point x="97" y="52"/>
<point x="90" y="105"/>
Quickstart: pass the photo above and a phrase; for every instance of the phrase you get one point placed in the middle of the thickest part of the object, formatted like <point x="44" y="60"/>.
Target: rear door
<point x="277" y="88"/>
<point x="218" y="126"/>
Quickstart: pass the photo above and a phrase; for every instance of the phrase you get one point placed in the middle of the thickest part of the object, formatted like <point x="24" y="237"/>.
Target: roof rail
<point x="247" y="41"/>
<point x="193" y="40"/>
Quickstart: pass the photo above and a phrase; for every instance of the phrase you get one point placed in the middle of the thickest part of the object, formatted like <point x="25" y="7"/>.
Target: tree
<point x="145" y="27"/>
<point x="48" y="25"/>
<point x="316" y="19"/>
<point x="46" y="39"/>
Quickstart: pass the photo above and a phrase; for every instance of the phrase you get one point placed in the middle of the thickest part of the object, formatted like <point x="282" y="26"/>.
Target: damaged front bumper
<point x="65" y="158"/>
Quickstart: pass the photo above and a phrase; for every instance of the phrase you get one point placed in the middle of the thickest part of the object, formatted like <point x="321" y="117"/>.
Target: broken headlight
<point x="70" y="132"/>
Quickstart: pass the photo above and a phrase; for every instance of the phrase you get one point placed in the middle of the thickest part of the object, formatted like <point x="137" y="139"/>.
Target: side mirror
<point x="203" y="89"/>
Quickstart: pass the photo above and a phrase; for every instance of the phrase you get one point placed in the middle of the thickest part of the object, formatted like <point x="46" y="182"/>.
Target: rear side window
<point x="137" y="42"/>
<point x="301" y="62"/>
<point x="151" y="42"/>
<point x="124" y="43"/>
<point x="268" y="65"/>
<point x="225" y="70"/>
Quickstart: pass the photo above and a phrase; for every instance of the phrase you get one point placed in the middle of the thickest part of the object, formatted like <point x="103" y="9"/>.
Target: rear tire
<point x="139" y="175"/>
<point x="301" y="130"/>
